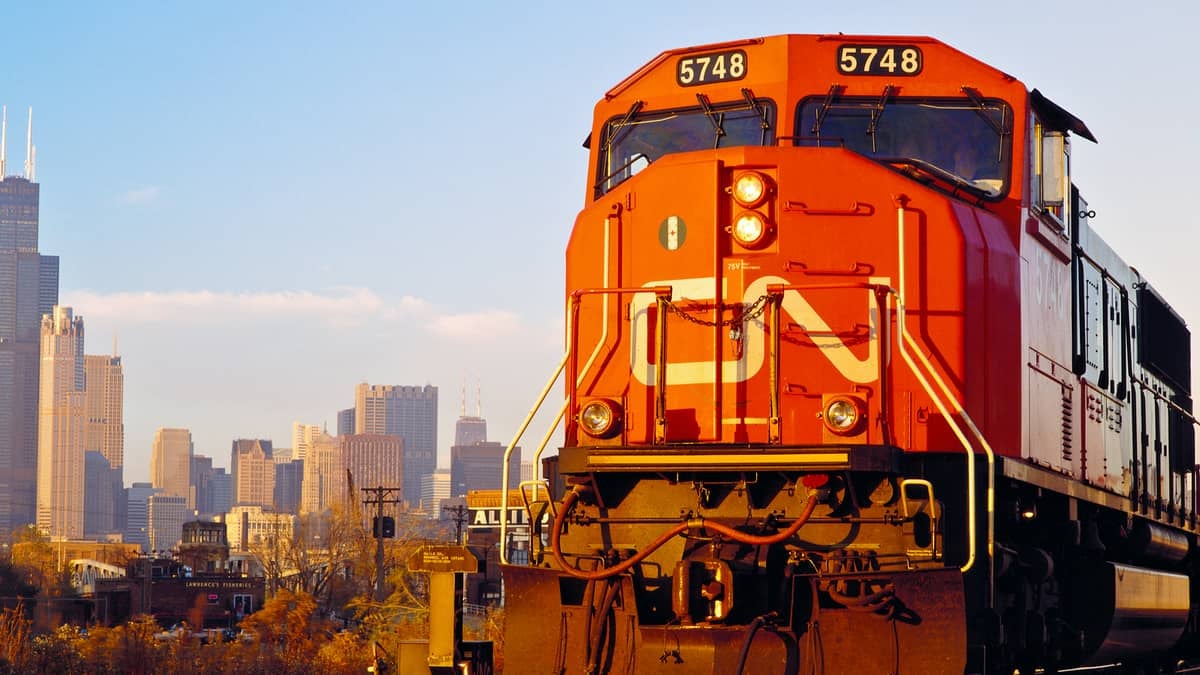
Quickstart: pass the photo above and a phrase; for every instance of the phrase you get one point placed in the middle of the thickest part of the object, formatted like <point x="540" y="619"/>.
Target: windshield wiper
<point x="877" y="112"/>
<point x="913" y="166"/>
<point x="834" y="89"/>
<point x="717" y="119"/>
<point x="625" y="121"/>
<point x="758" y="110"/>
<point x="982" y="109"/>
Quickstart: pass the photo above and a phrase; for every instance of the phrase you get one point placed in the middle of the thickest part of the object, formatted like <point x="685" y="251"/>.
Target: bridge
<point x="85" y="571"/>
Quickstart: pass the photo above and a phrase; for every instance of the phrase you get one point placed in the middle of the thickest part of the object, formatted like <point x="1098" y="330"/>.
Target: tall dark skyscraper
<point x="481" y="467"/>
<point x="28" y="289"/>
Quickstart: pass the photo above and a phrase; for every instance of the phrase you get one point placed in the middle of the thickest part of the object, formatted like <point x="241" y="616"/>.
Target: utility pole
<point x="380" y="496"/>
<point x="460" y="519"/>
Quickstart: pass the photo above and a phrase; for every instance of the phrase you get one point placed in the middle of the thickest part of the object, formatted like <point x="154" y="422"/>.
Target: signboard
<point x="488" y="518"/>
<point x="443" y="558"/>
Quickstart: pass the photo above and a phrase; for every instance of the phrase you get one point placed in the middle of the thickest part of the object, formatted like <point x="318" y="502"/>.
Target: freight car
<point x="852" y="385"/>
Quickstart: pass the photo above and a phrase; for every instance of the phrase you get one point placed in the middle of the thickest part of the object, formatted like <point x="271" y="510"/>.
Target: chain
<point x="751" y="312"/>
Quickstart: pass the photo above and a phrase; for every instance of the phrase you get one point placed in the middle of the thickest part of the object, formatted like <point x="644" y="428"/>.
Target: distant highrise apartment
<point x="375" y="460"/>
<point x="28" y="290"/>
<point x="289" y="478"/>
<point x="171" y="464"/>
<point x="61" y="426"/>
<point x="166" y="515"/>
<point x="253" y="468"/>
<point x="324" y="484"/>
<point x="302" y="438"/>
<point x="345" y="422"/>
<point x="137" y="520"/>
<point x="407" y="412"/>
<point x="434" y="488"/>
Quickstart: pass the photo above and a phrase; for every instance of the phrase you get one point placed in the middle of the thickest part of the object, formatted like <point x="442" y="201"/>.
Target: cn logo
<point x="795" y="306"/>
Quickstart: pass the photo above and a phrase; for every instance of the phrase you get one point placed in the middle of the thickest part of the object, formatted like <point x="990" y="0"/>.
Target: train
<point x="853" y="386"/>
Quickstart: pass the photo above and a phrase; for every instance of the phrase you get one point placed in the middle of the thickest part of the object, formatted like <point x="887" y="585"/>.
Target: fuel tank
<point x="1127" y="611"/>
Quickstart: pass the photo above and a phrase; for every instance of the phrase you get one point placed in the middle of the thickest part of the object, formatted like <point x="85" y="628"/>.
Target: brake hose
<point x="736" y="535"/>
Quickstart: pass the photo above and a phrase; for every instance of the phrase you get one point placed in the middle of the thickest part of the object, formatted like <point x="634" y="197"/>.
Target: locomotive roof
<point x="1053" y="114"/>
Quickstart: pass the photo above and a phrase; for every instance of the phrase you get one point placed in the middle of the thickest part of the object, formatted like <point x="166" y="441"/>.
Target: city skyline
<point x="275" y="209"/>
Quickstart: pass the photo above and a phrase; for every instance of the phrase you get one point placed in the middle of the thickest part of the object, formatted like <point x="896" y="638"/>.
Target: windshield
<point x="636" y="139"/>
<point x="968" y="137"/>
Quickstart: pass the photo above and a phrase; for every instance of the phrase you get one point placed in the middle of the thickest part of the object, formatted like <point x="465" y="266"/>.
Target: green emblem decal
<point x="672" y="232"/>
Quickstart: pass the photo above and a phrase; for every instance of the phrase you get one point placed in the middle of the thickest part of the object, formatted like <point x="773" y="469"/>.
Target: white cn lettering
<point x="853" y="368"/>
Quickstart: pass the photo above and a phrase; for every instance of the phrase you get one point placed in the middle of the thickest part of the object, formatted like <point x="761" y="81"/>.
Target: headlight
<point x="749" y="189"/>
<point x="750" y="229"/>
<point x="600" y="418"/>
<point x="842" y="415"/>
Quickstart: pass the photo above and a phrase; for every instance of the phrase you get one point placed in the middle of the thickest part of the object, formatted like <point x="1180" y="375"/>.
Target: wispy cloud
<point x="142" y="195"/>
<point x="476" y="326"/>
<point x="344" y="306"/>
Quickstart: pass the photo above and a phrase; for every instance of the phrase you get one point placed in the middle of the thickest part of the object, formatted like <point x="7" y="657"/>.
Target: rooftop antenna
<point x="33" y="166"/>
<point x="3" y="142"/>
<point x="478" y="400"/>
<point x="462" y="409"/>
<point x="29" y="148"/>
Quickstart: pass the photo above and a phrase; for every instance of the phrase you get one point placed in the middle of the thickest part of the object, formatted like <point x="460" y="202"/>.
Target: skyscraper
<point x="104" y="411"/>
<point x="407" y="412"/>
<point x="289" y="478"/>
<point x="345" y="422"/>
<point x="375" y="460"/>
<point x="166" y="515"/>
<point x="253" y="469"/>
<point x="201" y="484"/>
<point x="171" y="464"/>
<point x="470" y="429"/>
<point x="99" y="500"/>
<point x="105" y="392"/>
<point x="61" y="426"/>
<point x="324" y="483"/>
<point x="481" y="466"/>
<point x="28" y="289"/>
<point x="302" y="438"/>
<point x="434" y="488"/>
<point x="137" y="509"/>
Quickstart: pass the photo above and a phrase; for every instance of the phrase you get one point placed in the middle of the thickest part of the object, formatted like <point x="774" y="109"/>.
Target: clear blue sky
<point x="269" y="202"/>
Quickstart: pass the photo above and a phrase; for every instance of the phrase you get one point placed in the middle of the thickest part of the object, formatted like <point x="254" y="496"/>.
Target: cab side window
<point x="1051" y="175"/>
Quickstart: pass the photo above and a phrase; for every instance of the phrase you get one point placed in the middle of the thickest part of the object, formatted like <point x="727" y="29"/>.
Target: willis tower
<point x="28" y="289"/>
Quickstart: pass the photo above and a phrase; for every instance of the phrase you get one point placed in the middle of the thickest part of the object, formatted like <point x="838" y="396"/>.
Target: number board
<point x="904" y="60"/>
<point x="707" y="68"/>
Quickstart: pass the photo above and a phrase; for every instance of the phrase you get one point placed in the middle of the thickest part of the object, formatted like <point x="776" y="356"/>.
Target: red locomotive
<point x="853" y="386"/>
